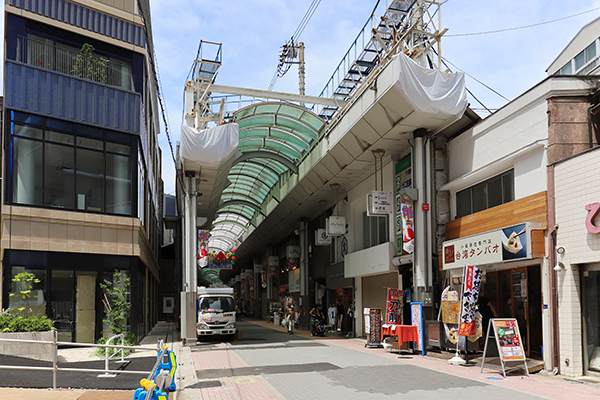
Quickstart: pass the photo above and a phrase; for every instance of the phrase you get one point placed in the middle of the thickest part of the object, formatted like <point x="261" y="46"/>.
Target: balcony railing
<point x="74" y="63"/>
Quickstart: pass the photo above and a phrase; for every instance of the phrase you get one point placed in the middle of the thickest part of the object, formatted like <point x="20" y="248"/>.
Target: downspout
<point x="552" y="278"/>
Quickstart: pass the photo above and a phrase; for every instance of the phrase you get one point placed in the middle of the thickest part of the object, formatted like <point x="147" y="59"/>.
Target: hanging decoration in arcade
<point x="472" y="283"/>
<point x="221" y="260"/>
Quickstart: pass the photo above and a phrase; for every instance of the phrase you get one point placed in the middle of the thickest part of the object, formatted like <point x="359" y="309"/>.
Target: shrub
<point x="31" y="323"/>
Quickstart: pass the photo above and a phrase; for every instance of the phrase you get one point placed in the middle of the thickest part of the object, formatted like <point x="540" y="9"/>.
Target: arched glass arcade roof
<point x="274" y="137"/>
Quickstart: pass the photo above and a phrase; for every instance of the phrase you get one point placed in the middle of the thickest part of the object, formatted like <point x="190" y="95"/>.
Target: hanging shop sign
<point x="380" y="203"/>
<point x="335" y="226"/>
<point x="293" y="257"/>
<point x="322" y="238"/>
<point x="273" y="265"/>
<point x="258" y="268"/>
<point x="505" y="244"/>
<point x="395" y="301"/>
<point x="471" y="285"/>
<point x="593" y="210"/>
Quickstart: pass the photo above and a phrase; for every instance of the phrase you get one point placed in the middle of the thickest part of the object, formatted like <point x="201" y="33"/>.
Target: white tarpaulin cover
<point x="211" y="146"/>
<point x="429" y="90"/>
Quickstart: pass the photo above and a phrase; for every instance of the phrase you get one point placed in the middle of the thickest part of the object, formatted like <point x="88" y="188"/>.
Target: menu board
<point x="508" y="339"/>
<point x="374" y="327"/>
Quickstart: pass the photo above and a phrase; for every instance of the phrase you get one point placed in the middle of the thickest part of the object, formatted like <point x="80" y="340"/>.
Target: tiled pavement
<point x="268" y="364"/>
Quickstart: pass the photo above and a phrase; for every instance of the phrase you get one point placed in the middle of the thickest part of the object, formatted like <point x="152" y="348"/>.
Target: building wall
<point x="576" y="185"/>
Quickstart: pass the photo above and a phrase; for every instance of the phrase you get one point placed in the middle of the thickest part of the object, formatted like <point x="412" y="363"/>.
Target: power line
<point x="303" y="23"/>
<point x="522" y="27"/>
<point x="475" y="79"/>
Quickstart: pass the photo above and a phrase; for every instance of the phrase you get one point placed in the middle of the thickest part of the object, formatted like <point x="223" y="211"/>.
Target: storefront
<point x="577" y="265"/>
<point x="512" y="260"/>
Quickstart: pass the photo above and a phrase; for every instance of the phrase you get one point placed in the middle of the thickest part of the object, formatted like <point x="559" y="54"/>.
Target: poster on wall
<point x="273" y="263"/>
<point x="263" y="278"/>
<point x="404" y="210"/>
<point x="293" y="257"/>
<point x="395" y="301"/>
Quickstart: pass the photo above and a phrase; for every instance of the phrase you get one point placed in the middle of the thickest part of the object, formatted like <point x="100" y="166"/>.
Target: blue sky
<point x="252" y="32"/>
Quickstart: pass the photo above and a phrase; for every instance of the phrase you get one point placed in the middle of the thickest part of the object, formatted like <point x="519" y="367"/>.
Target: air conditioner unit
<point x="322" y="238"/>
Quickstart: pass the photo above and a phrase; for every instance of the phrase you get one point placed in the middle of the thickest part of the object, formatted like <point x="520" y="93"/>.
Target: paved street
<point x="269" y="364"/>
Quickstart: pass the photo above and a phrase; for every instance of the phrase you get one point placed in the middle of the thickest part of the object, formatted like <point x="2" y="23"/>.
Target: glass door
<point x="591" y="317"/>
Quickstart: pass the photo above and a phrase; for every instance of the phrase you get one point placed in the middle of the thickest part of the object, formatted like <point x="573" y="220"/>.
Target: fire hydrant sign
<point x="508" y="339"/>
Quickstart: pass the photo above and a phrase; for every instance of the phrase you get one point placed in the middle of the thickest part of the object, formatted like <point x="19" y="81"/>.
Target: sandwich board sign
<point x="505" y="331"/>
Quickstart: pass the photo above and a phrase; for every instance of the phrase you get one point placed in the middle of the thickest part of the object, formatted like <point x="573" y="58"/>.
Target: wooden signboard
<point x="505" y="331"/>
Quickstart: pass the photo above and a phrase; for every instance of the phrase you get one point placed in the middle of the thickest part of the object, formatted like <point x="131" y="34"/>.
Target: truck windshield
<point x="216" y="304"/>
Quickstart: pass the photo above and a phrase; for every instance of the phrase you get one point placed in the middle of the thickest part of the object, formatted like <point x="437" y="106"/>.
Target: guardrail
<point x="55" y="343"/>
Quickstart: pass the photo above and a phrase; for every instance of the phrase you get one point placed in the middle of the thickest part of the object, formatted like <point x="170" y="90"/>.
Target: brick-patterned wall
<point x="576" y="185"/>
<point x="568" y="128"/>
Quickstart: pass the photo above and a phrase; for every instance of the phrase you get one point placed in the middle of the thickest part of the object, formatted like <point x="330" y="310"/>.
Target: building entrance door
<point x="517" y="293"/>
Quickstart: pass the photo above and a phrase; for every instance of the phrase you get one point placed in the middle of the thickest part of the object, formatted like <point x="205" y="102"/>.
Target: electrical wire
<point x="522" y="27"/>
<point x="475" y="79"/>
<point x="279" y="72"/>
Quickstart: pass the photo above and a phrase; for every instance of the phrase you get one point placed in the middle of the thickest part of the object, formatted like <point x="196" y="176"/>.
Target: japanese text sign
<point x="395" y="300"/>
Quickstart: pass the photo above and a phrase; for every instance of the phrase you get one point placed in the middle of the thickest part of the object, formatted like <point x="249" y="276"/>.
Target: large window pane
<point x="59" y="182"/>
<point x="383" y="229"/>
<point x="28" y="131"/>
<point x="27" y="156"/>
<point x="566" y="69"/>
<point x="508" y="188"/>
<point x="118" y="184"/>
<point x="90" y="180"/>
<point x="494" y="189"/>
<point x="463" y="203"/>
<point x="27" y="294"/>
<point x="590" y="52"/>
<point x="479" y="198"/>
<point x="579" y="60"/>
<point x="62" y="303"/>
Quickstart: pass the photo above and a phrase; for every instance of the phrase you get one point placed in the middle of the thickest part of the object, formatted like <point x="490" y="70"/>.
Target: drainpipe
<point x="420" y="266"/>
<point x="552" y="275"/>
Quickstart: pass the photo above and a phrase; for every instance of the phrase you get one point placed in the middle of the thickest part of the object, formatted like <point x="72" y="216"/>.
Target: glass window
<point x="479" y="198"/>
<point x="90" y="180"/>
<point x="118" y="148"/>
<point x="590" y="52"/>
<point x="59" y="137"/>
<point x="216" y="304"/>
<point x="27" y="291"/>
<point x="62" y="303"/>
<point x="26" y="166"/>
<point x="488" y="194"/>
<point x="508" y="190"/>
<point x="494" y="189"/>
<point x="90" y="143"/>
<point x="463" y="203"/>
<point x="28" y="131"/>
<point x="118" y="184"/>
<point x="375" y="230"/>
<point x="579" y="60"/>
<point x="59" y="179"/>
<point x="566" y="69"/>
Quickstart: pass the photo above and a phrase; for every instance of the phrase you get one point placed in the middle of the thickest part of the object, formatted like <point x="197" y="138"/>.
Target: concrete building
<point x="81" y="172"/>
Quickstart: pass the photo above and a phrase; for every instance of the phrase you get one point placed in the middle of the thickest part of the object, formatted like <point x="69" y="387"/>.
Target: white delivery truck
<point x="216" y="312"/>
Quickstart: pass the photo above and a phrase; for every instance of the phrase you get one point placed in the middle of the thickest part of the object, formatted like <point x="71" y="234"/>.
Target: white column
<point x="420" y="252"/>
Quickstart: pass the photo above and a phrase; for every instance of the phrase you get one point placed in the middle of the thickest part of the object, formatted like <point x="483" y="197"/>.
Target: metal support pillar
<point x="190" y="272"/>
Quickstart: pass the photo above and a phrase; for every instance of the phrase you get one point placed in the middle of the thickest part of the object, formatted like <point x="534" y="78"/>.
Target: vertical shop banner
<point x="404" y="217"/>
<point x="471" y="285"/>
<point x="508" y="339"/>
<point x="374" y="327"/>
<point x="395" y="300"/>
<point x="263" y="278"/>
<point x="416" y="318"/>
<point x="273" y="263"/>
<point x="203" y="237"/>
<point x="293" y="257"/>
<point x="250" y="280"/>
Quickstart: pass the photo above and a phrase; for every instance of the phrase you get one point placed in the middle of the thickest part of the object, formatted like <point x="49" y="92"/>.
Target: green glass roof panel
<point x="252" y="169"/>
<point x="315" y="122"/>
<point x="241" y="211"/>
<point x="254" y="121"/>
<point x="290" y="110"/>
<point x="273" y="146"/>
<point x="286" y="138"/>
<point x="247" y="189"/>
<point x="297" y="128"/>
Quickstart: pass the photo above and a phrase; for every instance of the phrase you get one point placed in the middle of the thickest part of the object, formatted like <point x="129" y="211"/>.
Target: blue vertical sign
<point x="416" y="317"/>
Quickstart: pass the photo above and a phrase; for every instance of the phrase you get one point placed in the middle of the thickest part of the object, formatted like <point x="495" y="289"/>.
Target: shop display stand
<point x="502" y="361"/>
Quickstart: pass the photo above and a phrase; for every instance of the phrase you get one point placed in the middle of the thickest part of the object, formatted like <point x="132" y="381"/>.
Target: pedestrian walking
<point x="290" y="319"/>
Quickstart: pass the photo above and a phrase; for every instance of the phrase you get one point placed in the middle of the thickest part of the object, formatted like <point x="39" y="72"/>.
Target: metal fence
<point x="107" y="372"/>
<point x="71" y="62"/>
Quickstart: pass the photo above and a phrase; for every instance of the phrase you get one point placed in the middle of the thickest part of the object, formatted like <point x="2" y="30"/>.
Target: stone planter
<point x="29" y="349"/>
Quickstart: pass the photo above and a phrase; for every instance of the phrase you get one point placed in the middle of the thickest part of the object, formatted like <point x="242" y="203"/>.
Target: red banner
<point x="395" y="300"/>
